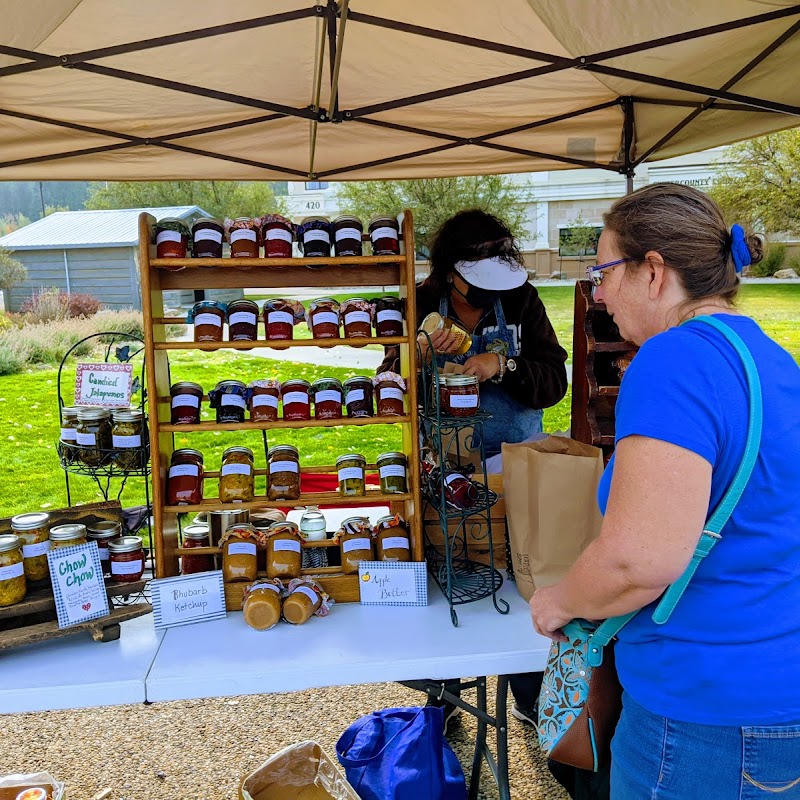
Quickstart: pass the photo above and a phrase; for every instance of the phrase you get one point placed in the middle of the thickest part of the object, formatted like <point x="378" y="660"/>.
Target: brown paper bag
<point x="550" y="490"/>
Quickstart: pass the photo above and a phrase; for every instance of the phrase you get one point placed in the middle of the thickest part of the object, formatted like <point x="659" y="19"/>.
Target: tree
<point x="578" y="239"/>
<point x="219" y="198"/>
<point x="10" y="222"/>
<point x="435" y="200"/>
<point x="12" y="271"/>
<point x="759" y="184"/>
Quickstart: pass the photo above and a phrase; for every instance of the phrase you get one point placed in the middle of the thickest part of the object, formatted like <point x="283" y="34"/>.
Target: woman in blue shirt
<point x="711" y="704"/>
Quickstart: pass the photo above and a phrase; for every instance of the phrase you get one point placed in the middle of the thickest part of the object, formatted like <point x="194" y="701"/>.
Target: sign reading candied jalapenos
<point x="103" y="385"/>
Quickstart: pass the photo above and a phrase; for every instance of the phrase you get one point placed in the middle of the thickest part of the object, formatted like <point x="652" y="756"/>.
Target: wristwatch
<point x="511" y="365"/>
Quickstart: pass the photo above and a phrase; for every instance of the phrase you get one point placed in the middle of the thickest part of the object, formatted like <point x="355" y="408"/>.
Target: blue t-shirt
<point x="730" y="652"/>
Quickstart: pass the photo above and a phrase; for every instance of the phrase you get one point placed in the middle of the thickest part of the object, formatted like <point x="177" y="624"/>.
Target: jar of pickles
<point x="93" y="436"/>
<point x="277" y="233"/>
<point x="129" y="438"/>
<point x="388" y="316"/>
<point x="126" y="555"/>
<point x="185" y="478"/>
<point x="67" y="535"/>
<point x="358" y="396"/>
<point x="172" y="238"/>
<point x="102" y="532"/>
<point x="184" y="403"/>
<point x="323" y="318"/>
<point x="462" y="395"/>
<point x="207" y="234"/>
<point x="314" y="237"/>
<point x="284" y="550"/>
<point x="296" y="397"/>
<point x="391" y="539"/>
<point x="389" y="391"/>
<point x="280" y="317"/>
<point x="243" y="237"/>
<point x="195" y="536"/>
<point x="327" y="395"/>
<point x="12" y="571"/>
<point x="347" y="232"/>
<point x="208" y="318"/>
<point x="263" y="400"/>
<point x="34" y="533"/>
<point x="229" y="398"/>
<point x="355" y="543"/>
<point x="69" y="430"/>
<point x="392" y="470"/>
<point x="236" y="476"/>
<point x="384" y="233"/>
<point x="242" y="321"/>
<point x="284" y="473"/>
<point x="350" y="469"/>
<point x="356" y="316"/>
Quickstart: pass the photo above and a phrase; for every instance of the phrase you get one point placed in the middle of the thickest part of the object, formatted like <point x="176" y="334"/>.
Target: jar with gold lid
<point x="463" y="396"/>
<point x="436" y="322"/>
<point x="12" y="572"/>
<point x="102" y="532"/>
<point x="350" y="469"/>
<point x="283" y="482"/>
<point x="34" y="532"/>
<point x="195" y="536"/>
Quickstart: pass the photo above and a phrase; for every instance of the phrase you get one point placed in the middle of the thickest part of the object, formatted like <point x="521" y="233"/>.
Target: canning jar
<point x="391" y="539"/>
<point x="67" y="535"/>
<point x="356" y="316"/>
<point x="196" y="536"/>
<point x="444" y="397"/>
<point x="208" y="317"/>
<point x="207" y="234"/>
<point x="239" y="552"/>
<point x="185" y="478"/>
<point x="384" y="233"/>
<point x="34" y="533"/>
<point x="229" y="399"/>
<point x="12" y="571"/>
<point x="172" y="238"/>
<point x="323" y="318"/>
<point x="184" y="403"/>
<point x="128" y="438"/>
<point x="436" y="322"/>
<point x="284" y="473"/>
<point x="350" y="469"/>
<point x="314" y="237"/>
<point x="236" y="476"/>
<point x="313" y="527"/>
<point x="102" y="532"/>
<point x="304" y="598"/>
<point x="277" y="233"/>
<point x="462" y="395"/>
<point x="69" y="429"/>
<point x="389" y="390"/>
<point x="284" y="550"/>
<point x="392" y="470"/>
<point x="295" y="395"/>
<point x="388" y="316"/>
<point x="327" y="395"/>
<point x="358" y="396"/>
<point x="355" y="543"/>
<point x="261" y="605"/>
<point x="242" y="321"/>
<point x="347" y="233"/>
<point x="280" y="317"/>
<point x="263" y="400"/>
<point x="126" y="555"/>
<point x="93" y="436"/>
<point x="243" y="237"/>
<point x="459" y="491"/>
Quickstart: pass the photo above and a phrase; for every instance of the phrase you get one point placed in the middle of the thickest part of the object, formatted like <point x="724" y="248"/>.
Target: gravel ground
<point x="200" y="749"/>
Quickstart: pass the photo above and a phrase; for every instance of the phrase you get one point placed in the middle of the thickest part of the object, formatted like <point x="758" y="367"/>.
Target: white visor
<point x="492" y="273"/>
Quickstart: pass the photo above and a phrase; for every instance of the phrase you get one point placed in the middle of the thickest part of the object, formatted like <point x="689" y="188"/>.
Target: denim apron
<point x="511" y="420"/>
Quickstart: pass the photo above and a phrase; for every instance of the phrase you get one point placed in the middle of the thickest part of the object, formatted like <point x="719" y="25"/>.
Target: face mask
<point x="479" y="298"/>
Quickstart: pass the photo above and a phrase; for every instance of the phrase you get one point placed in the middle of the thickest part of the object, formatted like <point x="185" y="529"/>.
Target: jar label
<point x="236" y="469"/>
<point x="316" y="236"/>
<point x="348" y="233"/>
<point x="383" y="233"/>
<point x="185" y="400"/>
<point x="350" y="473"/>
<point x="243" y="233"/>
<point x="183" y="470"/>
<point x="388" y="315"/>
<point x="126" y="567"/>
<point x="68" y="434"/>
<point x="208" y="319"/>
<point x="271" y="586"/>
<point x="280" y="317"/>
<point x="167" y="236"/>
<point x="463" y="400"/>
<point x="354" y="396"/>
<point x="357" y="316"/>
<point x="356" y="544"/>
<point x="88" y="439"/>
<point x="295" y="397"/>
<point x="393" y="471"/>
<point x="308" y="592"/>
<point x="395" y="543"/>
<point x="103" y="553"/>
<point x="279" y="233"/>
<point x="241" y="549"/>
<point x="33" y="550"/>
<point x="328" y="396"/>
<point x="283" y="466"/>
<point x="11" y="571"/>
<point x="456" y="476"/>
<point x="238" y="317"/>
<point x="127" y="441"/>
<point x="325" y="318"/>
<point x="208" y="234"/>
<point x="286" y="546"/>
<point x="264" y="400"/>
<point x="233" y="400"/>
<point x="390" y="393"/>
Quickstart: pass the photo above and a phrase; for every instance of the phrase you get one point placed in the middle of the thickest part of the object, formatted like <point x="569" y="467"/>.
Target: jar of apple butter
<point x="284" y="550"/>
<point x="240" y="545"/>
<point x="262" y="604"/>
<point x="391" y="539"/>
<point x="305" y="598"/>
<point x="355" y="543"/>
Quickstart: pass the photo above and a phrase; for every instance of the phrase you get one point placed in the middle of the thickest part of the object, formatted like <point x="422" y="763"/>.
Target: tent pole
<point x="629" y="141"/>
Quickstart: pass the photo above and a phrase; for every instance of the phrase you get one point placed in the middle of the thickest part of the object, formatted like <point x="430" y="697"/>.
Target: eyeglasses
<point x="595" y="274"/>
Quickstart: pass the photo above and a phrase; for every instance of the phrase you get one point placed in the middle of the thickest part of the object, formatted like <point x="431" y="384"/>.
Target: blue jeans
<point x="656" y="758"/>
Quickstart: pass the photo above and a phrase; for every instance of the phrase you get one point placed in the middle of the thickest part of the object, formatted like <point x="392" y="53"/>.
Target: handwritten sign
<point x="188" y="598"/>
<point x="105" y="385"/>
<point x="78" y="585"/>
<point x="386" y="583"/>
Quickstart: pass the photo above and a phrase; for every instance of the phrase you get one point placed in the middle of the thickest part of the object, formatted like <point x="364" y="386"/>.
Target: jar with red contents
<point x="126" y="555"/>
<point x="172" y="238"/>
<point x="462" y="395"/>
<point x="263" y="402"/>
<point x="356" y="316"/>
<point x="277" y="233"/>
<point x="102" y="532"/>
<point x="242" y="321"/>
<point x="323" y="318"/>
<point x="185" y="478"/>
<point x="389" y="391"/>
<point x="296" y="401"/>
<point x="280" y="317"/>
<point x="327" y="394"/>
<point x="207" y="234"/>
<point x="347" y="232"/>
<point x="358" y="396"/>
<point x="191" y="563"/>
<point x="243" y="237"/>
<point x="384" y="233"/>
<point x="185" y="399"/>
<point x="459" y="491"/>
<point x="388" y="316"/>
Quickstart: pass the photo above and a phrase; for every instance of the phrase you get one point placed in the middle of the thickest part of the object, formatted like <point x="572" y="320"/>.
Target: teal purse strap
<point x="716" y="522"/>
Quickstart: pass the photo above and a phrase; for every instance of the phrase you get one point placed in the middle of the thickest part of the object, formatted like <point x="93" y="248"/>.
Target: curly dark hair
<point x="468" y="236"/>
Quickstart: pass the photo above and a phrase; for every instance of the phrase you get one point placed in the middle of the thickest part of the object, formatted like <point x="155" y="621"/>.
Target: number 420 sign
<point x="107" y="385"/>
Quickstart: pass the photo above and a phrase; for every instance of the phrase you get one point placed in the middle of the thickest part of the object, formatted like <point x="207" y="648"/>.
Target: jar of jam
<point x="389" y="391"/>
<point x="240" y="545"/>
<point x="280" y="317"/>
<point x="34" y="533"/>
<point x="207" y="234"/>
<point x="284" y="550"/>
<point x="295" y="395"/>
<point x="93" y="436"/>
<point x="243" y="237"/>
<point x="462" y="395"/>
<point x="304" y="598"/>
<point x="69" y="430"/>
<point x="323" y="318"/>
<point x="263" y="402"/>
<point x="67" y="535"/>
<point x="314" y="237"/>
<point x="436" y="322"/>
<point x="242" y="321"/>
<point x="172" y="238"/>
<point x="460" y="491"/>
<point x="384" y="233"/>
<point x="356" y="316"/>
<point x="12" y="571"/>
<point x="129" y="438"/>
<point x="261" y="605"/>
<point x="350" y="469"/>
<point x="236" y="476"/>
<point x="388" y="313"/>
<point x="184" y="403"/>
<point x="392" y="470"/>
<point x="126" y="555"/>
<point x="391" y="539"/>
<point x="196" y="536"/>
<point x="355" y="543"/>
<point x="208" y="317"/>
<point x="185" y="478"/>
<point x="102" y="532"/>
<point x="230" y="400"/>
<point x="327" y="395"/>
<point x="277" y="234"/>
<point x="347" y="232"/>
<point x="284" y="473"/>
<point x="313" y="527"/>
<point x="358" y="396"/>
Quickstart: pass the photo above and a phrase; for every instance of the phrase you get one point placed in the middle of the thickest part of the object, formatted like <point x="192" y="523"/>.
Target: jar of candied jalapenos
<point x="384" y="233"/>
<point x="69" y="430"/>
<point x="236" y="476"/>
<point x="172" y="238"/>
<point x="347" y="233"/>
<point x="34" y="533"/>
<point x="392" y="470"/>
<point x="12" y="571"/>
<point x="264" y="396"/>
<point x="129" y="438"/>
<point x="355" y="543"/>
<point x="277" y="233"/>
<point x="356" y="316"/>
<point x="351" y="468"/>
<point x="389" y="391"/>
<point x="243" y="237"/>
<point x="184" y="403"/>
<point x="208" y="317"/>
<point x="229" y="398"/>
<point x="323" y="318"/>
<point x="185" y="478"/>
<point x="358" y="396"/>
<point x="126" y="555"/>
<point x="296" y="397"/>
<point x="284" y="473"/>
<point x="388" y="316"/>
<point x="327" y="394"/>
<point x="93" y="436"/>
<point x="207" y="234"/>
<point x="391" y="539"/>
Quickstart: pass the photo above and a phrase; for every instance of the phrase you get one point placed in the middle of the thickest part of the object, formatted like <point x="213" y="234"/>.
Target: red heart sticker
<point x="86" y="606"/>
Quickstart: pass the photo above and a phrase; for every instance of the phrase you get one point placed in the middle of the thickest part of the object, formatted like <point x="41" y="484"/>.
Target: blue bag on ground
<point x="401" y="754"/>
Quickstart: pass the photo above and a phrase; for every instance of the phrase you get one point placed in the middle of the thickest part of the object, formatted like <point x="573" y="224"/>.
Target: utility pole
<point x="41" y="198"/>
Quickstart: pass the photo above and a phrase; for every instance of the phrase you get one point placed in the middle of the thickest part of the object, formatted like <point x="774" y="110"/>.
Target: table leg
<point x="501" y="715"/>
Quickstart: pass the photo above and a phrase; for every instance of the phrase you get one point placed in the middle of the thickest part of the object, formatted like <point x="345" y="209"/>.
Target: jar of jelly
<point x="391" y="539"/>
<point x="185" y="478"/>
<point x="358" y="396"/>
<point x="314" y="237"/>
<point x="462" y="395"/>
<point x="263" y="402"/>
<point x="389" y="391"/>
<point x="102" y="532"/>
<point x="236" y="476"/>
<point x="172" y="238"/>
<point x="184" y="403"/>
<point x="384" y="233"/>
<point x="327" y="395"/>
<point x="350" y="469"/>
<point x="388" y="316"/>
<point x="460" y="491"/>
<point x="277" y="234"/>
<point x="93" y="436"/>
<point x="69" y="431"/>
<point x="356" y="316"/>
<point x="129" y="438"/>
<point x="207" y="234"/>
<point x="208" y="317"/>
<point x="280" y="317"/>
<point x="34" y="533"/>
<point x="242" y="321"/>
<point x="12" y="572"/>
<point x="243" y="237"/>
<point x="347" y="232"/>
<point x="126" y="555"/>
<point x="313" y="526"/>
<point x="323" y="318"/>
<point x="295" y="395"/>
<point x="392" y="471"/>
<point x="196" y="536"/>
<point x="284" y="550"/>
<point x="230" y="400"/>
<point x="284" y="473"/>
<point x="67" y="535"/>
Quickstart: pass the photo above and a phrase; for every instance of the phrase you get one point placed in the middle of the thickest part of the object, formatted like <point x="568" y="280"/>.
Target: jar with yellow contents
<point x="34" y="532"/>
<point x="67" y="535"/>
<point x="236" y="476"/>
<point x="12" y="572"/>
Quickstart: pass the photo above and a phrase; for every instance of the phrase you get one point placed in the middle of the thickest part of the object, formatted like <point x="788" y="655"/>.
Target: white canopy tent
<point x="355" y="90"/>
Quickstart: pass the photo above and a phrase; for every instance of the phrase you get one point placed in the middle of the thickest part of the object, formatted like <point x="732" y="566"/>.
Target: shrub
<point x="12" y="271"/>
<point x="82" y="305"/>
<point x="794" y="263"/>
<point x="773" y="261"/>
<point x="47" y="305"/>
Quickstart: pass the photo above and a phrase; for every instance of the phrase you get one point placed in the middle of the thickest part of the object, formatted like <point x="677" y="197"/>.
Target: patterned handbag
<point x="580" y="700"/>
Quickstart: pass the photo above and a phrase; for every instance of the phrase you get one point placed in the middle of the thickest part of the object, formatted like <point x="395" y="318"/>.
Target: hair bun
<point x="756" y="247"/>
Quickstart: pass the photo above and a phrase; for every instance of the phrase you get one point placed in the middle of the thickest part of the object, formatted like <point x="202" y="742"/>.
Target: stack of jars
<point x="96" y="437"/>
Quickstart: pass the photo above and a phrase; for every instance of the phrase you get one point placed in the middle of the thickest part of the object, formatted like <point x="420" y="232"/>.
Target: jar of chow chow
<point x="69" y="535"/>
<point x="283" y="482"/>
<point x="34" y="532"/>
<point x="237" y="476"/>
<point x="12" y="571"/>
<point x="69" y="430"/>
